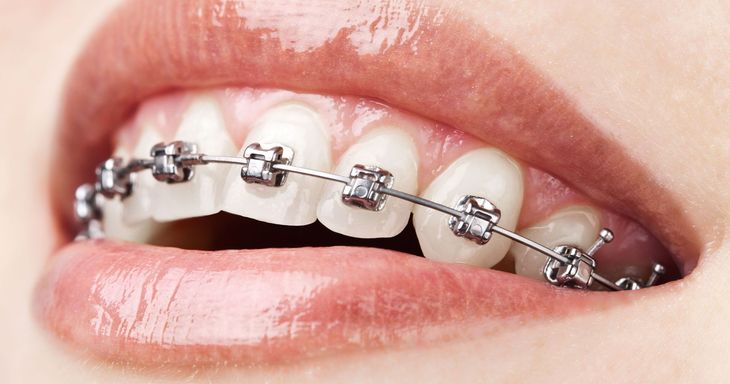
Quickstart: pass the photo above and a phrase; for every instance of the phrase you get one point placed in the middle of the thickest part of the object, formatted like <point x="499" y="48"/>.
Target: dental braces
<point x="367" y="187"/>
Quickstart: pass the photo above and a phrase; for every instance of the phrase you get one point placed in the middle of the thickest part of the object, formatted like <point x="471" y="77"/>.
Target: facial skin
<point x="651" y="74"/>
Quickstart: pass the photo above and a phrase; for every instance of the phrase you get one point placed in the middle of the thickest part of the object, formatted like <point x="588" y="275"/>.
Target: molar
<point x="485" y="172"/>
<point x="388" y="148"/>
<point x="202" y="124"/>
<point x="300" y="128"/>
<point x="575" y="225"/>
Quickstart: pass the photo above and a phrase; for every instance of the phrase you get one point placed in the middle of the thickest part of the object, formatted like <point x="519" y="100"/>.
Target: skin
<point x="653" y="74"/>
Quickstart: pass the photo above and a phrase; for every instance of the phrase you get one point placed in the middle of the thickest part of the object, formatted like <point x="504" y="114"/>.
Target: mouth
<point x="220" y="270"/>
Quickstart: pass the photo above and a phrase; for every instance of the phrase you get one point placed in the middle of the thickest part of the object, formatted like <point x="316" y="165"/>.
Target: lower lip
<point x="152" y="305"/>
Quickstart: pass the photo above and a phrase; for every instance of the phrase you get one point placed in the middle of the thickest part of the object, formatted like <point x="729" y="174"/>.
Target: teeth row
<point x="484" y="172"/>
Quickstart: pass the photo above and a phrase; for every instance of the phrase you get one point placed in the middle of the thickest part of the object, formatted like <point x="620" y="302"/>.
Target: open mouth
<point x="218" y="269"/>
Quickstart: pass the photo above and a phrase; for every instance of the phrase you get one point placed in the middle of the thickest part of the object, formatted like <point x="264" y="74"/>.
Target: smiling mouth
<point x="216" y="269"/>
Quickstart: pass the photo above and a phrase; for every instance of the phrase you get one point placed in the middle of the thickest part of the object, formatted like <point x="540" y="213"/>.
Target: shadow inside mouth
<point x="226" y="231"/>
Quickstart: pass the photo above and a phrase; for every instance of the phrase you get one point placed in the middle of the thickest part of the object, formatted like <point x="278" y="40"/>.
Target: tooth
<point x="138" y="206"/>
<point x="298" y="127"/>
<point x="114" y="225"/>
<point x="391" y="149"/>
<point x="203" y="125"/>
<point x="485" y="172"/>
<point x="575" y="225"/>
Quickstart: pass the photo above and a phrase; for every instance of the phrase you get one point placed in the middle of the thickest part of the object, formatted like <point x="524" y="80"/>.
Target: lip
<point x="156" y="305"/>
<point x="410" y="63"/>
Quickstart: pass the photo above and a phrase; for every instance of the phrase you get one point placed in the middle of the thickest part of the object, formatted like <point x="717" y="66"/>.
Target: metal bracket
<point x="363" y="189"/>
<point x="167" y="165"/>
<point x="88" y="212"/>
<point x="479" y="216"/>
<point x="578" y="271"/>
<point x="260" y="161"/>
<point x="112" y="179"/>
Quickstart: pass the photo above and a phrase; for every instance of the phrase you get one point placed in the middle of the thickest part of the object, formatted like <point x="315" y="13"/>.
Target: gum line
<point x="349" y="118"/>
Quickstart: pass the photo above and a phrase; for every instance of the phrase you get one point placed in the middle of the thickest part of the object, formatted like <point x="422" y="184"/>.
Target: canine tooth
<point x="114" y="225"/>
<point x="391" y="149"/>
<point x="203" y="125"/>
<point x="138" y="206"/>
<point x="485" y="172"/>
<point x="574" y="225"/>
<point x="295" y="203"/>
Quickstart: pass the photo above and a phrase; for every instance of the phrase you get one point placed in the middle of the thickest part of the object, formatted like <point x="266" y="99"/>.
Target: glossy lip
<point x="358" y="49"/>
<point x="157" y="306"/>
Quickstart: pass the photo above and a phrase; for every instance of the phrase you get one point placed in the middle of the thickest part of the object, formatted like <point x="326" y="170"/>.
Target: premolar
<point x="115" y="227"/>
<point x="388" y="148"/>
<point x="138" y="206"/>
<point x="202" y="124"/>
<point x="576" y="226"/>
<point x="485" y="172"/>
<point x="295" y="203"/>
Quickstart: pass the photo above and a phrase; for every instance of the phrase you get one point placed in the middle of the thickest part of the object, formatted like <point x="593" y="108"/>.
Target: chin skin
<point x="654" y="76"/>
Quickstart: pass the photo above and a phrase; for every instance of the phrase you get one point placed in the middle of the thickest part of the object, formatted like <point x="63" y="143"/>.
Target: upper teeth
<point x="202" y="124"/>
<point x="576" y="225"/>
<point x="484" y="173"/>
<point x="295" y="203"/>
<point x="392" y="149"/>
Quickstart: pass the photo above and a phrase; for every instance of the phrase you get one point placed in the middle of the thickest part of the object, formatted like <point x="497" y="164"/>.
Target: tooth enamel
<point x="114" y="225"/>
<point x="487" y="173"/>
<point x="295" y="203"/>
<point x="138" y="206"/>
<point x="388" y="148"/>
<point x="575" y="225"/>
<point x="202" y="124"/>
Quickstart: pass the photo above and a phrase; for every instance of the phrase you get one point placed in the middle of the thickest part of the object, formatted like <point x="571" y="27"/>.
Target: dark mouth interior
<point x="226" y="231"/>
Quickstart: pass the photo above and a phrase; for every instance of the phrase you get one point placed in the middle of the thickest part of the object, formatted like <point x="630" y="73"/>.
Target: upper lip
<point x="433" y="63"/>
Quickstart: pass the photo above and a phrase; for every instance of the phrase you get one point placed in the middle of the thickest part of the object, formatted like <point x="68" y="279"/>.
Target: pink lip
<point x="147" y="304"/>
<point x="157" y="305"/>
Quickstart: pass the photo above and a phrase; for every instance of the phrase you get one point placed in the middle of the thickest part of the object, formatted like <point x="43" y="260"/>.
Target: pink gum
<point x="347" y="118"/>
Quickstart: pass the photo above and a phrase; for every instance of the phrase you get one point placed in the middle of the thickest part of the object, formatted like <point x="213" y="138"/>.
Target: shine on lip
<point x="320" y="48"/>
<point x="154" y="305"/>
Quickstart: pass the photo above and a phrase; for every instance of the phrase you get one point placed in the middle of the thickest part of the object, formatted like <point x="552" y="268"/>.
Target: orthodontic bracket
<point x="169" y="162"/>
<point x="260" y="164"/>
<point x="364" y="187"/>
<point x="367" y="187"/>
<point x="477" y="221"/>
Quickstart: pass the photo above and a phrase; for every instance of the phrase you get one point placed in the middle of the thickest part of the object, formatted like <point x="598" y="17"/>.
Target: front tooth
<point x="300" y="128"/>
<point x="202" y="124"/>
<point x="388" y="148"/>
<point x="485" y="172"/>
<point x="576" y="225"/>
<point x="113" y="218"/>
<point x="138" y="205"/>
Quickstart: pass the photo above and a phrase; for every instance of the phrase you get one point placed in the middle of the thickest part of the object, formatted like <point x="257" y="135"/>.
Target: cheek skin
<point x="670" y="329"/>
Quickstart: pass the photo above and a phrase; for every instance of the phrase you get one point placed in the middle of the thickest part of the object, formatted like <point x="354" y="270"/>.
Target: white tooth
<point x="575" y="225"/>
<point x="202" y="124"/>
<point x="485" y="172"/>
<point x="388" y="148"/>
<point x="116" y="228"/>
<point x="300" y="128"/>
<point x="114" y="225"/>
<point x="138" y="206"/>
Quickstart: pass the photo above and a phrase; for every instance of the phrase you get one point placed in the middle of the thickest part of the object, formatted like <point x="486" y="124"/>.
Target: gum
<point x="347" y="118"/>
